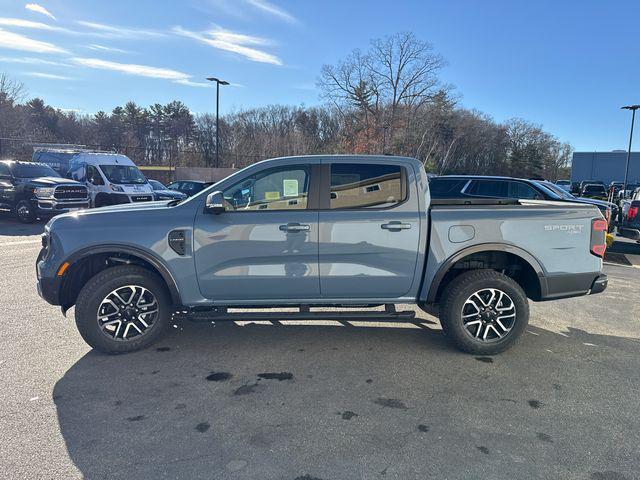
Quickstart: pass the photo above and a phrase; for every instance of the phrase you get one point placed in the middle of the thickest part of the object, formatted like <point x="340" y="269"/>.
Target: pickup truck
<point x="32" y="190"/>
<point x="629" y="225"/>
<point x="320" y="231"/>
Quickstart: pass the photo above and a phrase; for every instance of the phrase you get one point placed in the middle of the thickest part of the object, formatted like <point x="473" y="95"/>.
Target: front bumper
<point x="49" y="290"/>
<point x="46" y="207"/>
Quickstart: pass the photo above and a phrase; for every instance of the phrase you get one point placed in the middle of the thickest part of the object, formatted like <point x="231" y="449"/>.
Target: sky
<point x="567" y="65"/>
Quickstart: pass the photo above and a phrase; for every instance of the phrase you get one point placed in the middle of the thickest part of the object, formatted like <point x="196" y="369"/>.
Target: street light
<point x="633" y="109"/>
<point x="218" y="83"/>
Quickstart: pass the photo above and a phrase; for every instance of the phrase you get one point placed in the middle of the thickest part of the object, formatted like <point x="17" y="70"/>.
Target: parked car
<point x="304" y="232"/>
<point x="189" y="187"/>
<point x="470" y="186"/>
<point x="564" y="184"/>
<point x="628" y="192"/>
<point x="609" y="210"/>
<point x="161" y="192"/>
<point x="34" y="190"/>
<point x="594" y="190"/>
<point x="629" y="226"/>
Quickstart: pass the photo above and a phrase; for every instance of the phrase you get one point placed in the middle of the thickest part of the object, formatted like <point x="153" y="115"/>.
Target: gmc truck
<point x="342" y="231"/>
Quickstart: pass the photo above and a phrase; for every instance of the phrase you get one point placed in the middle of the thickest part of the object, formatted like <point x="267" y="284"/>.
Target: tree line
<point x="388" y="99"/>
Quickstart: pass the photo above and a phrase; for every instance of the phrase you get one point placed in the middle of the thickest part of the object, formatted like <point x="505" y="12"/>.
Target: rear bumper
<point x="632" y="233"/>
<point x="572" y="285"/>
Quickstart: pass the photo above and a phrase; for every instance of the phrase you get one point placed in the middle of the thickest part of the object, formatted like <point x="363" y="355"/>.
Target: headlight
<point x="44" y="192"/>
<point x="116" y="188"/>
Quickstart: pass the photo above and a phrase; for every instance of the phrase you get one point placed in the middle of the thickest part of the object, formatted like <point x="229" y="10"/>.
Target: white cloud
<point x="114" y="31"/>
<point x="233" y="42"/>
<point x="102" y="48"/>
<point x="139" y="70"/>
<point x="131" y="68"/>
<point x="48" y="76"/>
<point x="20" y="23"/>
<point x="34" y="7"/>
<point x="273" y="10"/>
<point x="32" y="61"/>
<point x="15" y="41"/>
<point x="191" y="83"/>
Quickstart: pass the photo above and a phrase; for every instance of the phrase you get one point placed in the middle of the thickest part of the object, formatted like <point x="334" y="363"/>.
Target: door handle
<point x="395" y="226"/>
<point x="294" y="227"/>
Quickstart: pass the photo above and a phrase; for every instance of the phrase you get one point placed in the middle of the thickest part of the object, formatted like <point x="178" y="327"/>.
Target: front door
<point x="265" y="245"/>
<point x="369" y="231"/>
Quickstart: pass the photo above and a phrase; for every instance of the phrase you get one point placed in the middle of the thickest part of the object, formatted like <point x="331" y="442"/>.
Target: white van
<point x="112" y="178"/>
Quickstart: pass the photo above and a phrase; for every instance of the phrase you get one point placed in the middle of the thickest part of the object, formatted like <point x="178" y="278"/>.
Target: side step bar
<point x="222" y="314"/>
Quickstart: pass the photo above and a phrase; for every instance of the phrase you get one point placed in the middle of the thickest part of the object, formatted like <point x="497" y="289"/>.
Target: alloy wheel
<point x="127" y="313"/>
<point x="488" y="315"/>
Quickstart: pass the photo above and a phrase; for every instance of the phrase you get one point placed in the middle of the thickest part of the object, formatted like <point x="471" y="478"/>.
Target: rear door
<point x="369" y="230"/>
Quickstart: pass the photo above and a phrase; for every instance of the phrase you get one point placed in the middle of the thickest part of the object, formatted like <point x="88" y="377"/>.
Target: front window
<point x="594" y="190"/>
<point x="123" y="174"/>
<point x="23" y="170"/>
<point x="281" y="188"/>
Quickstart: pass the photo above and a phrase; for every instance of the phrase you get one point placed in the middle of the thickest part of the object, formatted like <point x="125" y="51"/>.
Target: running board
<point x="222" y="314"/>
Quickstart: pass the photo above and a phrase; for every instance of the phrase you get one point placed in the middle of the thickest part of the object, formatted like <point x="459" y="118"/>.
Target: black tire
<point x="454" y="304"/>
<point x="96" y="291"/>
<point x="101" y="200"/>
<point x="25" y="212"/>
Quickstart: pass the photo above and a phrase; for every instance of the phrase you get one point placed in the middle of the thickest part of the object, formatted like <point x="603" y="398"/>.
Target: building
<point x="605" y="166"/>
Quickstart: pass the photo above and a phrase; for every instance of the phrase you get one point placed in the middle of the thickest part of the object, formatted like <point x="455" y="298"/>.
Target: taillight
<point x="598" y="237"/>
<point x="633" y="212"/>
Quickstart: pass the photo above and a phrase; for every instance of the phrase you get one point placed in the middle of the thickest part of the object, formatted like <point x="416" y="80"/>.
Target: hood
<point x="52" y="181"/>
<point x="138" y="206"/>
<point x="597" y="202"/>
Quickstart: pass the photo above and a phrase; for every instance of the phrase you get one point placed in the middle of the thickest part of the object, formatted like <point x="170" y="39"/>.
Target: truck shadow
<point x="282" y="401"/>
<point x="12" y="227"/>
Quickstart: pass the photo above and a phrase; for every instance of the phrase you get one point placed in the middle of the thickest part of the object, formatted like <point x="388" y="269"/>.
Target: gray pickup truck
<point x="342" y="231"/>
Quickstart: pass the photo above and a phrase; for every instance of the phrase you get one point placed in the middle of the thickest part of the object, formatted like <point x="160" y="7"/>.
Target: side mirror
<point x="215" y="203"/>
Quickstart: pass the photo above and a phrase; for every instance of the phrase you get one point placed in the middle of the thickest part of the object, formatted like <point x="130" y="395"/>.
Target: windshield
<point x="156" y="185"/>
<point x="594" y="189"/>
<point x="123" y="174"/>
<point x="23" y="170"/>
<point x="560" y="192"/>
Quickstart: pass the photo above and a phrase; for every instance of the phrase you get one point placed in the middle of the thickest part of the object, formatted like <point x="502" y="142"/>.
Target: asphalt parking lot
<point x="320" y="401"/>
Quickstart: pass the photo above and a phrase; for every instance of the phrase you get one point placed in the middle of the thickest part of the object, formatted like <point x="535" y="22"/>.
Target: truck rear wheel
<point x="123" y="309"/>
<point x="484" y="312"/>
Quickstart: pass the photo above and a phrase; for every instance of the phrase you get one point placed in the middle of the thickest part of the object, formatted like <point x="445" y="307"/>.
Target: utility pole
<point x="218" y="83"/>
<point x="633" y="109"/>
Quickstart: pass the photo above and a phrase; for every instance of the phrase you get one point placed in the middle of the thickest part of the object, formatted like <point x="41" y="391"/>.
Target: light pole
<point x="633" y="109"/>
<point x="218" y="83"/>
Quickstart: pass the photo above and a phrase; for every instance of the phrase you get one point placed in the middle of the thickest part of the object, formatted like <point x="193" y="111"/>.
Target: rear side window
<point x="488" y="188"/>
<point x="358" y="185"/>
<point x="522" y="190"/>
<point x="446" y="187"/>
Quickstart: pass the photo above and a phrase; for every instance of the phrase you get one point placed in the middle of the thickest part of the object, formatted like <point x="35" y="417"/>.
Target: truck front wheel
<point x="484" y="312"/>
<point x="123" y="309"/>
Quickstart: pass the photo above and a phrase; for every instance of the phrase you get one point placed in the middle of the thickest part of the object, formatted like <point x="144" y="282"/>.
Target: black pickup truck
<point x="32" y="190"/>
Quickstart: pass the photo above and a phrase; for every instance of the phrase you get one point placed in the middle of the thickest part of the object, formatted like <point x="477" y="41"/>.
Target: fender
<point x="155" y="261"/>
<point x="484" y="247"/>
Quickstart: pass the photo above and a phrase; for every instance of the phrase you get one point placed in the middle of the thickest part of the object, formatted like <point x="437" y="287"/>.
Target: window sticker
<point x="290" y="187"/>
<point x="271" y="195"/>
